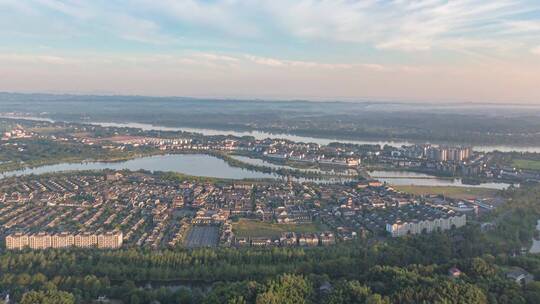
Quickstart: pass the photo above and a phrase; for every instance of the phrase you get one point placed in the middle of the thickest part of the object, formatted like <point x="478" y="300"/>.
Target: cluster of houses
<point x="152" y="212"/>
<point x="16" y="133"/>
<point x="290" y="239"/>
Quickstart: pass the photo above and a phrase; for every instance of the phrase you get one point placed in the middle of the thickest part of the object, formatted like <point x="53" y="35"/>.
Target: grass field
<point x="526" y="164"/>
<point x="453" y="192"/>
<point x="255" y="228"/>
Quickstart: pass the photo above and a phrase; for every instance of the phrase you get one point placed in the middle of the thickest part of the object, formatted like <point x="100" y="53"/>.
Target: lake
<point x="210" y="166"/>
<point x="406" y="178"/>
<point x="263" y="162"/>
<point x="190" y="164"/>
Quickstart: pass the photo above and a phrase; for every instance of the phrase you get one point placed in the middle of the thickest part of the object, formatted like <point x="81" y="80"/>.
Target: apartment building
<point x="42" y="240"/>
<point x="110" y="240"/>
<point x="426" y="224"/>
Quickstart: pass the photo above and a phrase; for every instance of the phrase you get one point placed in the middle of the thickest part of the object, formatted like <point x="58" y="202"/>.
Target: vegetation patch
<point x="449" y="191"/>
<point x="526" y="164"/>
<point x="255" y="228"/>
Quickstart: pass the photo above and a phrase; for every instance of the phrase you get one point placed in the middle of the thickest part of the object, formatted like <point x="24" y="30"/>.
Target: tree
<point x="287" y="289"/>
<point x="532" y="292"/>
<point x="134" y="299"/>
<point x="47" y="297"/>
<point x="349" y="292"/>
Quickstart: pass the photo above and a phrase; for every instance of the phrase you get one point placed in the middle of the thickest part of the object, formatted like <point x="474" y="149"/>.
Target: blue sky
<point x="433" y="50"/>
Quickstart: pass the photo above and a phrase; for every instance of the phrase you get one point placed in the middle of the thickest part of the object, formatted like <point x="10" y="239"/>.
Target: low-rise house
<point x="288" y="239"/>
<point x="519" y="275"/>
<point x="308" y="239"/>
<point x="327" y="238"/>
<point x="454" y="272"/>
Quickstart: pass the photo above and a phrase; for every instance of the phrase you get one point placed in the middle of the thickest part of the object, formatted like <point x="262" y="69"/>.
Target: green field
<point x="255" y="228"/>
<point x="526" y="164"/>
<point x="453" y="192"/>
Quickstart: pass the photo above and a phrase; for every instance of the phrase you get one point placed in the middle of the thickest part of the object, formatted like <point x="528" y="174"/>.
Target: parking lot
<point x="203" y="236"/>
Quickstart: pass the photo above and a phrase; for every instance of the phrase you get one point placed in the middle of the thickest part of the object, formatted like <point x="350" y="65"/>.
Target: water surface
<point x="406" y="178"/>
<point x="306" y="139"/>
<point x="190" y="164"/>
<point x="297" y="138"/>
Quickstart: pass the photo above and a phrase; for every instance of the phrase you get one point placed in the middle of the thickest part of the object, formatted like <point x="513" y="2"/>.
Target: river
<point x="322" y="141"/>
<point x="262" y="135"/>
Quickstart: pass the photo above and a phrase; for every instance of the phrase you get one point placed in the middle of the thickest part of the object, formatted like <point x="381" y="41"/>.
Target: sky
<point x="402" y="50"/>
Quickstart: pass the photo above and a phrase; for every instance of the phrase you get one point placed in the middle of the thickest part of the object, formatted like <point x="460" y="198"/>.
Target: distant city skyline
<point x="432" y="50"/>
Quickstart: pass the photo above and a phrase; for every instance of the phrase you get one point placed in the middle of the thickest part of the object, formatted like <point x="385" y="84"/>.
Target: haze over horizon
<point x="433" y="50"/>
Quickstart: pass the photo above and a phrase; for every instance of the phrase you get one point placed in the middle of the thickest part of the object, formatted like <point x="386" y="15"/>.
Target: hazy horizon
<point x="373" y="101"/>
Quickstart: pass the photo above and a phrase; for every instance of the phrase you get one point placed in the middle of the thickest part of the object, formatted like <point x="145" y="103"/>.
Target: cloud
<point x="228" y="75"/>
<point x="403" y="25"/>
<point x="345" y="43"/>
<point x="73" y="9"/>
<point x="216" y="57"/>
<point x="224" y="16"/>
<point x="197" y="59"/>
<point x="273" y="62"/>
<point x="10" y="58"/>
<point x="138" y="30"/>
<point x="523" y="26"/>
<point x="399" y="25"/>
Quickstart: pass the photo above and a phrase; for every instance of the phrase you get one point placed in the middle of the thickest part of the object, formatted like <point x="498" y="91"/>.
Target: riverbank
<point x="308" y="136"/>
<point x="10" y="166"/>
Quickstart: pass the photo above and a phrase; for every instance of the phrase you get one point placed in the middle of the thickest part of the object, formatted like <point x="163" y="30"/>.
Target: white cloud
<point x="74" y="9"/>
<point x="11" y="58"/>
<point x="536" y="50"/>
<point x="139" y="30"/>
<point x="229" y="16"/>
<point x="406" y="25"/>
<point x="273" y="62"/>
<point x="195" y="59"/>
<point x="216" y="57"/>
<point x="523" y="26"/>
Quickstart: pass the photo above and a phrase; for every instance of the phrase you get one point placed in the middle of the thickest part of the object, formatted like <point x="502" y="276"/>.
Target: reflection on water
<point x="190" y="164"/>
<point x="256" y="134"/>
<point x="262" y="162"/>
<point x="405" y="178"/>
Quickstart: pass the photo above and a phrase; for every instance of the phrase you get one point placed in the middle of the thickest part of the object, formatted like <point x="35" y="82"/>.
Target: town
<point x="279" y="156"/>
<point x="305" y="207"/>
<point x="115" y="209"/>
